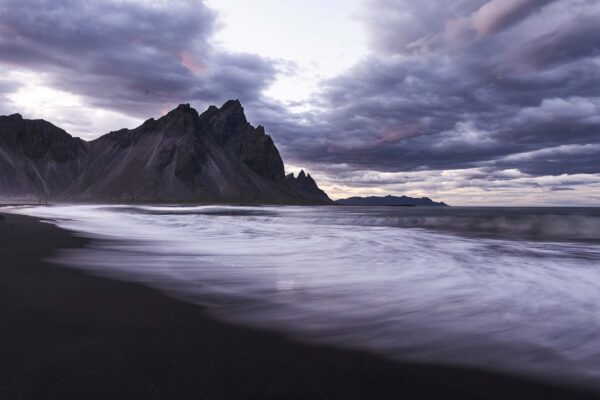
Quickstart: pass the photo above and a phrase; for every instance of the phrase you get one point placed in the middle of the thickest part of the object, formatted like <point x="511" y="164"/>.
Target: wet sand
<point x="69" y="335"/>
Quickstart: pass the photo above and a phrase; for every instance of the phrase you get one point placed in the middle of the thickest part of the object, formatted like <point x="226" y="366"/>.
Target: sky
<point x="471" y="102"/>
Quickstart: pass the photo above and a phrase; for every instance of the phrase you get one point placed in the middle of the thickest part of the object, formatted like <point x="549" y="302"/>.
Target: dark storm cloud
<point x="567" y="159"/>
<point x="132" y="57"/>
<point x="486" y="85"/>
<point x="567" y="43"/>
<point x="498" y="15"/>
<point x="466" y="84"/>
<point x="402" y="26"/>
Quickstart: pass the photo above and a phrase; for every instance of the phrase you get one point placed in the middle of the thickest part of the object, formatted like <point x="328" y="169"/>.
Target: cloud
<point x="564" y="159"/>
<point x="6" y="87"/>
<point x="460" y="96"/>
<point x="395" y="26"/>
<point x="567" y="43"/>
<point x="498" y="15"/>
<point x="420" y="102"/>
<point x="134" y="57"/>
<point x="474" y="186"/>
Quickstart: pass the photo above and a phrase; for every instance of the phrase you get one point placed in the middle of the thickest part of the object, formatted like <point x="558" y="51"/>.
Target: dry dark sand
<point x="67" y="335"/>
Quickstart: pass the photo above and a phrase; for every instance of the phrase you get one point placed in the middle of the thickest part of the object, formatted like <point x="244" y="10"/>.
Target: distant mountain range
<point x="216" y="156"/>
<point x="390" y="201"/>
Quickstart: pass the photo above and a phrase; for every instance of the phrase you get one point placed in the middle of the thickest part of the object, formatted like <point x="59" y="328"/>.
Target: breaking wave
<point x="551" y="224"/>
<point x="511" y="289"/>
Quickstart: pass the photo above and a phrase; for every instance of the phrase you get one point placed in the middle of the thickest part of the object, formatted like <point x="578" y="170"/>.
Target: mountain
<point x="216" y="156"/>
<point x="37" y="159"/>
<point x="390" y="201"/>
<point x="306" y="186"/>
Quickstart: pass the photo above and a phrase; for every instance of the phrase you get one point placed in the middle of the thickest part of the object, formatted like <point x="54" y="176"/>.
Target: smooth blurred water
<point x="510" y="289"/>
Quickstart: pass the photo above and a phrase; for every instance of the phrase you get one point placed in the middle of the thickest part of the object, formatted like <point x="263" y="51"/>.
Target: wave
<point x="550" y="224"/>
<point x="560" y="224"/>
<point x="390" y="280"/>
<point x="530" y="224"/>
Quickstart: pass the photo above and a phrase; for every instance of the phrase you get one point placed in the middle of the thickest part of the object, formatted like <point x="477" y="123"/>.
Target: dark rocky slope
<point x="183" y="156"/>
<point x="305" y="185"/>
<point x="37" y="159"/>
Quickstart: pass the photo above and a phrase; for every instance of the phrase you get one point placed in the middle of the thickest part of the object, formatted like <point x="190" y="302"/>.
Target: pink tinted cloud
<point x="191" y="63"/>
<point x="497" y="15"/>
<point x="491" y="18"/>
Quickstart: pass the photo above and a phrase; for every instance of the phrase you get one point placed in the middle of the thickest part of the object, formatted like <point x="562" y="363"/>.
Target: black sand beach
<point x="68" y="335"/>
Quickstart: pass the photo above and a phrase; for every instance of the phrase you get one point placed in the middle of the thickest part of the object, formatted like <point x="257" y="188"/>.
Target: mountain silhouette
<point x="216" y="156"/>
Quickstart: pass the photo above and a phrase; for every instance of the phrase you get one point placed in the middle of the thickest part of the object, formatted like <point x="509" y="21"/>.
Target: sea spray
<point x="515" y="290"/>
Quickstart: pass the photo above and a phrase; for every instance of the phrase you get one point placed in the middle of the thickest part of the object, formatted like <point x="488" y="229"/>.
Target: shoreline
<point x="67" y="334"/>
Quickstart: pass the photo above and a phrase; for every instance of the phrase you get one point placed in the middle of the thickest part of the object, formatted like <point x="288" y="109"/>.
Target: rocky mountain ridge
<point x="390" y="201"/>
<point x="184" y="156"/>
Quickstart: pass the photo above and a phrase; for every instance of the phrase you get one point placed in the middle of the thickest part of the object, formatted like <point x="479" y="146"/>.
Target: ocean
<point x="514" y="290"/>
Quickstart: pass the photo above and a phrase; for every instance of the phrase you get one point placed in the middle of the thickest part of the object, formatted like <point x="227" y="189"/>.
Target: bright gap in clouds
<point x="320" y="39"/>
<point x="310" y="41"/>
<point x="466" y="187"/>
<point x="35" y="100"/>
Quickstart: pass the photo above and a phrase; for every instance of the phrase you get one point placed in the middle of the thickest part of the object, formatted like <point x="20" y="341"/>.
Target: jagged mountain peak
<point x="15" y="129"/>
<point x="234" y="104"/>
<point x="210" y="112"/>
<point x="222" y="124"/>
<point x="304" y="177"/>
<point x="217" y="156"/>
<point x="230" y="116"/>
<point x="226" y="123"/>
<point x="233" y="109"/>
<point x="306" y="185"/>
<point x="183" y="109"/>
<point x="37" y="159"/>
<point x="13" y="116"/>
<point x="184" y="113"/>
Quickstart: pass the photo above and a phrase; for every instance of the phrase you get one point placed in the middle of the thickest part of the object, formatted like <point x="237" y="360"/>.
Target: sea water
<point x="509" y="289"/>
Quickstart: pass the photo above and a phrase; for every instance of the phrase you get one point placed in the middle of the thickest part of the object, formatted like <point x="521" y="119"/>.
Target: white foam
<point x="407" y="293"/>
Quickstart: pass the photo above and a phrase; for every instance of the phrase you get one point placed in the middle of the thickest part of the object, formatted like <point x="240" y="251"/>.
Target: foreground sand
<point x="67" y="335"/>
